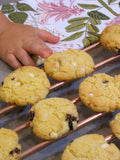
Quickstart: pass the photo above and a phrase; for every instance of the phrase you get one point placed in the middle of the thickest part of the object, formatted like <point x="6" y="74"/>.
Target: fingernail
<point x="57" y="37"/>
<point x="47" y="53"/>
<point x="50" y="51"/>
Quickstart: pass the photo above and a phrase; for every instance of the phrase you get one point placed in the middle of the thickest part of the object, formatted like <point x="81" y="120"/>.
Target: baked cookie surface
<point x="69" y="65"/>
<point x="110" y="38"/>
<point x="91" y="147"/>
<point x="9" y="147"/>
<point x="100" y="92"/>
<point x="115" y="125"/>
<point x="25" y="85"/>
<point x="52" y="117"/>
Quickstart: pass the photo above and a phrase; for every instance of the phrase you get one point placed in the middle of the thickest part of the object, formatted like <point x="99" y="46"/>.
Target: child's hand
<point x="17" y="41"/>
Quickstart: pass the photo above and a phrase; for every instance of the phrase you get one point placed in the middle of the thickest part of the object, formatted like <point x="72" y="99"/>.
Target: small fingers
<point x="38" y="47"/>
<point x="24" y="58"/>
<point x="12" y="61"/>
<point x="47" y="36"/>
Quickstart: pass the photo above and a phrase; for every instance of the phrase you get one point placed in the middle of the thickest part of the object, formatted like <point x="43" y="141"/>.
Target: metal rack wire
<point x="80" y="124"/>
<point x="59" y="84"/>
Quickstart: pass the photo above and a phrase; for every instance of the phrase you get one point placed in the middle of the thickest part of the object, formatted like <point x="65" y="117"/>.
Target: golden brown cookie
<point x="115" y="125"/>
<point x="110" y="37"/>
<point x="69" y="65"/>
<point x="91" y="147"/>
<point x="9" y="147"/>
<point x="25" y="85"/>
<point x="52" y="117"/>
<point x="100" y="92"/>
<point x="117" y="81"/>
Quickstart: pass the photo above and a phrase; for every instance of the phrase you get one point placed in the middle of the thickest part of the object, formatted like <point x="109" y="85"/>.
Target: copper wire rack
<point x="57" y="86"/>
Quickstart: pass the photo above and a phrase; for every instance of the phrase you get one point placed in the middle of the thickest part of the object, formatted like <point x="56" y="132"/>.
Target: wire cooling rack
<point x="106" y="62"/>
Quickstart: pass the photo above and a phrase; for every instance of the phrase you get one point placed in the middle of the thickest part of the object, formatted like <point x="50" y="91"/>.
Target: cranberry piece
<point x="105" y="81"/>
<point x="12" y="78"/>
<point x="16" y="150"/>
<point x="71" y="118"/>
<point x="31" y="115"/>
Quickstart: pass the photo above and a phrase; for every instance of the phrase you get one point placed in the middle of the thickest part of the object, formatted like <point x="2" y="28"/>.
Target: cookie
<point x="110" y="38"/>
<point x="115" y="125"/>
<point x="9" y="147"/>
<point x="91" y="147"/>
<point x="68" y="65"/>
<point x="24" y="86"/>
<point x="117" y="81"/>
<point x="52" y="117"/>
<point x="37" y="60"/>
<point x="100" y="92"/>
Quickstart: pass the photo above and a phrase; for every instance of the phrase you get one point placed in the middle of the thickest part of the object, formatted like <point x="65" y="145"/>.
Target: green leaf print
<point x="77" y="20"/>
<point x="98" y="15"/>
<point x="18" y="17"/>
<point x="92" y="28"/>
<point x="24" y="7"/>
<point x="94" y="34"/>
<point x="93" y="39"/>
<point x="88" y="25"/>
<point x="86" y="42"/>
<point x="88" y="6"/>
<point x="111" y="1"/>
<point x="74" y="27"/>
<point x="73" y="36"/>
<point x="8" y="8"/>
<point x="107" y="7"/>
<point x="94" y="21"/>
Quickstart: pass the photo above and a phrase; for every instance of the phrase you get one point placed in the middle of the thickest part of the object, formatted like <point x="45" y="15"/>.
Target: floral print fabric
<point x="77" y="22"/>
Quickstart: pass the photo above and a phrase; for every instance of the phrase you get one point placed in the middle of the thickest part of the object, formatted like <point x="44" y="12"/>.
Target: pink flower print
<point x="16" y="3"/>
<point x="59" y="11"/>
<point x="62" y="46"/>
<point x="115" y="20"/>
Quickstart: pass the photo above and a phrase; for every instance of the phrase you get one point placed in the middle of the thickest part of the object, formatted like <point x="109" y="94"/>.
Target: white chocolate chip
<point x="46" y="115"/>
<point x="31" y="75"/>
<point x="17" y="84"/>
<point x="39" y="61"/>
<point x="83" y="69"/>
<point x="54" y="135"/>
<point x="105" y="145"/>
<point x="91" y="94"/>
<point x="74" y="64"/>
